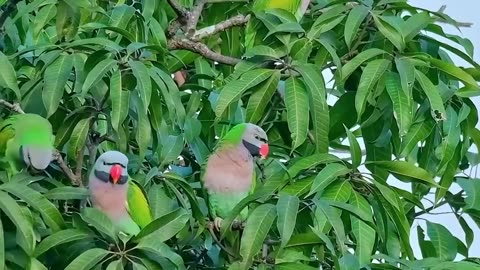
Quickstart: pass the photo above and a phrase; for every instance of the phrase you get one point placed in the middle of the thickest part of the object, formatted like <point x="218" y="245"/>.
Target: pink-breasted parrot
<point x="26" y="140"/>
<point x="296" y="7"/>
<point x="229" y="173"/>
<point x="114" y="193"/>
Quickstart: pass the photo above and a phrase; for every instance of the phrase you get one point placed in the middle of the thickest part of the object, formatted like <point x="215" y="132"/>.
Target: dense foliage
<point x="101" y="72"/>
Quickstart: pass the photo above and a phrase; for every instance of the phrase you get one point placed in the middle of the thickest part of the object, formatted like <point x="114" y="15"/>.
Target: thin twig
<point x="194" y="15"/>
<point x="13" y="107"/>
<point x="202" y="49"/>
<point x="221" y="26"/>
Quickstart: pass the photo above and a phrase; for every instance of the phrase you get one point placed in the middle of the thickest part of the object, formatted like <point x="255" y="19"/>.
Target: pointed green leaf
<point x="97" y="73"/>
<point x="433" y="96"/>
<point x="414" y="24"/>
<point x="165" y="227"/>
<point x="161" y="249"/>
<point x="287" y="208"/>
<point x="120" y="100"/>
<point x="454" y="71"/>
<point x="8" y="78"/>
<point x="56" y="76"/>
<point x="443" y="241"/>
<point x="355" y="150"/>
<point x="100" y="221"/>
<point x="2" y="247"/>
<point x="24" y="228"/>
<point x="406" y="171"/>
<point x="78" y="138"/>
<point x="402" y="108"/>
<point x="59" y="238"/>
<point x="371" y="74"/>
<point x="389" y="32"/>
<point x="258" y="225"/>
<point x="88" y="259"/>
<point x="144" y="83"/>
<point x="406" y="70"/>
<point x="355" y="62"/>
<point x="449" y="174"/>
<point x="319" y="112"/>
<point x="67" y="193"/>
<point x="261" y="96"/>
<point x="354" y="20"/>
<point x="326" y="176"/>
<point x="296" y="100"/>
<point x="419" y="131"/>
<point x="364" y="234"/>
<point x="472" y="190"/>
<point x="233" y="90"/>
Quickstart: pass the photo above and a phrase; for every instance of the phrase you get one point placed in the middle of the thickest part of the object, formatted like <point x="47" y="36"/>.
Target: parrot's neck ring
<point x="253" y="149"/>
<point x="105" y="177"/>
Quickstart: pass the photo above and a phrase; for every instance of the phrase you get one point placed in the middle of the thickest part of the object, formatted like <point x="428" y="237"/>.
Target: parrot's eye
<point x="257" y="137"/>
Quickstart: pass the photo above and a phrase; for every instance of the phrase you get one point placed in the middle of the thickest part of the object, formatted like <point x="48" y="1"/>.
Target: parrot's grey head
<point x="255" y="139"/>
<point x="37" y="157"/>
<point x="111" y="167"/>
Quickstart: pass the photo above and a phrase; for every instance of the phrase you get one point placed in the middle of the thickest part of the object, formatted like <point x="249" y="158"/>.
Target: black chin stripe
<point x="253" y="149"/>
<point x="105" y="177"/>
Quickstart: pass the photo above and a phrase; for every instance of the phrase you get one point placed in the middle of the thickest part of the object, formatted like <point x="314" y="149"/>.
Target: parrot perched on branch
<point x="229" y="173"/>
<point x="114" y="193"/>
<point x="26" y="140"/>
<point x="296" y="7"/>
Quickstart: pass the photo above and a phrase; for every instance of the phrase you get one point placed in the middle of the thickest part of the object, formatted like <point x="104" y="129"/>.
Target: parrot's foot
<point x="217" y="222"/>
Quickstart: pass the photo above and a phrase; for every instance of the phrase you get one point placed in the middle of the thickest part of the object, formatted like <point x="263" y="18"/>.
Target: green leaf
<point x="454" y="71"/>
<point x="8" y="78"/>
<point x="371" y="74"/>
<point x="355" y="150"/>
<point x="166" y="226"/>
<point x="326" y="176"/>
<point x="37" y="201"/>
<point x="260" y="98"/>
<point x="115" y="265"/>
<point x="67" y="193"/>
<point x="319" y="112"/>
<point x="100" y="221"/>
<point x="414" y="24"/>
<point x="121" y="16"/>
<point x="55" y="77"/>
<point x="433" y="96"/>
<point x="97" y="73"/>
<point x="406" y="70"/>
<point x="405" y="171"/>
<point x="78" y="138"/>
<point x="233" y="90"/>
<point x="2" y="247"/>
<point x="364" y="234"/>
<point x="297" y="111"/>
<point x="355" y="62"/>
<point x="443" y="241"/>
<point x="258" y="224"/>
<point x="144" y="83"/>
<point x="333" y="217"/>
<point x="287" y="208"/>
<point x="24" y="228"/>
<point x="88" y="259"/>
<point x="151" y="245"/>
<point x="59" y="238"/>
<point x="472" y="190"/>
<point x="354" y="20"/>
<point x="289" y="27"/>
<point x="419" y="131"/>
<point x="389" y="32"/>
<point x="120" y="100"/>
<point x="143" y="134"/>
<point x="321" y="26"/>
<point x="449" y="174"/>
<point x="402" y="108"/>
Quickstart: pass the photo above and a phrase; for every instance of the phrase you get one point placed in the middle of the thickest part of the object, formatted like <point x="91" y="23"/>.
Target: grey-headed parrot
<point x="26" y="140"/>
<point x="114" y="193"/>
<point x="229" y="173"/>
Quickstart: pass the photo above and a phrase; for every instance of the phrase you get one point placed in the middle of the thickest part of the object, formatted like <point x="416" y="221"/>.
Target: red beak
<point x="115" y="173"/>
<point x="263" y="151"/>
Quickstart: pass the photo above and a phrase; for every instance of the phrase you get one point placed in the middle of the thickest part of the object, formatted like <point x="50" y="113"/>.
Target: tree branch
<point x="221" y="26"/>
<point x="194" y="15"/>
<point x="14" y="107"/>
<point x="181" y="12"/>
<point x="202" y="49"/>
<point x="8" y="8"/>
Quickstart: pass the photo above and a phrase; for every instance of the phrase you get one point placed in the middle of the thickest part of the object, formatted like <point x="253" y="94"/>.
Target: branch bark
<point x="219" y="27"/>
<point x="202" y="49"/>
<point x="179" y="10"/>
<point x="194" y="15"/>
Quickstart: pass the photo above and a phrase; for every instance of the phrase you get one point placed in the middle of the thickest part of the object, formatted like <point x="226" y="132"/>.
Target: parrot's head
<point x="111" y="166"/>
<point x="35" y="156"/>
<point x="255" y="139"/>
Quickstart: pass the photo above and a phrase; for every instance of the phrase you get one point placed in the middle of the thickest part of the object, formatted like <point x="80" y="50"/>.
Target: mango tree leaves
<point x="472" y="190"/>
<point x="88" y="259"/>
<point x="8" y="78"/>
<point x="402" y="107"/>
<point x="436" y="103"/>
<point x="406" y="171"/>
<point x="259" y="99"/>
<point x="120" y="100"/>
<point x="442" y="240"/>
<point x="296" y="100"/>
<point x="354" y="19"/>
<point x="56" y="76"/>
<point x="287" y="208"/>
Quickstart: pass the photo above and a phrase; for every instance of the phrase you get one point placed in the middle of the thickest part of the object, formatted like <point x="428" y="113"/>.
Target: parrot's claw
<point x="217" y="223"/>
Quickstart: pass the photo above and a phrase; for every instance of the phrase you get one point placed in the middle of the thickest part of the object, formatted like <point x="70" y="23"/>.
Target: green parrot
<point x="114" y="193"/>
<point x="229" y="173"/>
<point x="296" y="7"/>
<point x="26" y="140"/>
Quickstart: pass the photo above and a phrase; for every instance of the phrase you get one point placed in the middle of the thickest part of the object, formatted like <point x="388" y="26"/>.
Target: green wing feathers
<point x="137" y="205"/>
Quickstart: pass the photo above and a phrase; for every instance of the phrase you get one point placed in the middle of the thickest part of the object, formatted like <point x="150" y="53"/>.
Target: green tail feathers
<point x="137" y="205"/>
